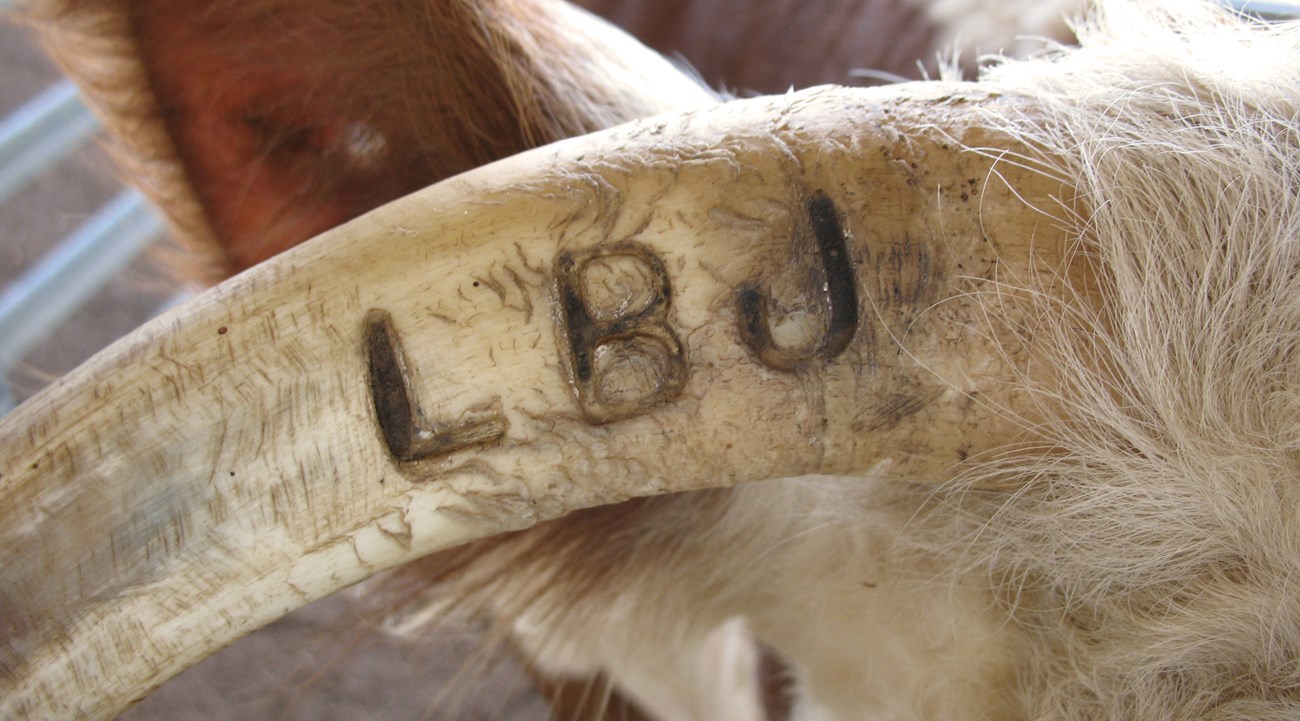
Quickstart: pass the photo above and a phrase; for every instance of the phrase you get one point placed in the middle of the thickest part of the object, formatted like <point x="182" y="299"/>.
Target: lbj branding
<point x="620" y="353"/>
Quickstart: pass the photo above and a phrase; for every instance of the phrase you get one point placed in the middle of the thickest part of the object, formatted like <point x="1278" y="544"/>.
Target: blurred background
<point x="58" y="196"/>
<point x="75" y="275"/>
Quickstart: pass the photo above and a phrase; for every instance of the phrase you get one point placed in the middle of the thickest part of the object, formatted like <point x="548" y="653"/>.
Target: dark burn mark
<point x="620" y="365"/>
<point x="894" y="409"/>
<point x="839" y="296"/>
<point x="409" y="436"/>
<point x="904" y="272"/>
<point x="841" y="289"/>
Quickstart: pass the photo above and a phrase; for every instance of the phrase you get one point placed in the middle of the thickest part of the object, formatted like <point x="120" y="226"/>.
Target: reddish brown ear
<point x="288" y="117"/>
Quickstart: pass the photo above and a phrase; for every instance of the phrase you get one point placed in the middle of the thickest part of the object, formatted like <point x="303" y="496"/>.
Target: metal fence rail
<point x="1272" y="10"/>
<point x="67" y="276"/>
<point x="41" y="133"/>
<point x="35" y="137"/>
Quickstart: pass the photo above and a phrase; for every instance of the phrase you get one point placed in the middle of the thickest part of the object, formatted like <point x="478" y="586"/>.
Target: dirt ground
<point x="330" y="661"/>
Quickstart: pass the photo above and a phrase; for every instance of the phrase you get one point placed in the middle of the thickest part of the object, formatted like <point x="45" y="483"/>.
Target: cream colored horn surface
<point x="770" y="288"/>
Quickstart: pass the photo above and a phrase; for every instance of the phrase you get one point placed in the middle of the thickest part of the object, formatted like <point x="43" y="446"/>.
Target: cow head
<point x="935" y="287"/>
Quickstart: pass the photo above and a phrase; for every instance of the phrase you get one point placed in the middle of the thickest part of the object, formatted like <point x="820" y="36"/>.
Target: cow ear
<point x="257" y="125"/>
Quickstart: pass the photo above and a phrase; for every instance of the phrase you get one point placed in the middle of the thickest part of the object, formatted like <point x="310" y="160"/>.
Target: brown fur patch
<point x="285" y="118"/>
<point x="769" y="47"/>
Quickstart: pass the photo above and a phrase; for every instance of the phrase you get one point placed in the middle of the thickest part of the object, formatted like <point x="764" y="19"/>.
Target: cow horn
<point x="774" y="287"/>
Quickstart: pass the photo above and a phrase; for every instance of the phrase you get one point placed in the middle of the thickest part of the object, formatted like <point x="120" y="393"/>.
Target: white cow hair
<point x="1010" y="27"/>
<point x="1156" y="550"/>
<point x="1138" y="558"/>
